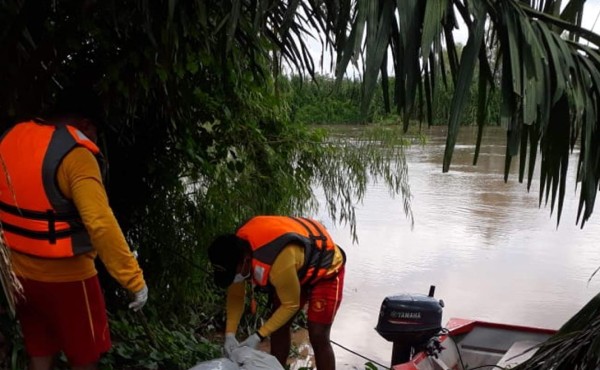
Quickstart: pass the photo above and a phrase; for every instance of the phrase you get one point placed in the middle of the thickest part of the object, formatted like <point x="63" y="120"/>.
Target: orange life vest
<point x="36" y="217"/>
<point x="268" y="235"/>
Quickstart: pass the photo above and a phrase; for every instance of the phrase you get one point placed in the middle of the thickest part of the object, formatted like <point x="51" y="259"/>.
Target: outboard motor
<point x="409" y="321"/>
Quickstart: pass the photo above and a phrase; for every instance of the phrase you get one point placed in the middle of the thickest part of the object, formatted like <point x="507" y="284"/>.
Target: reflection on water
<point x="485" y="244"/>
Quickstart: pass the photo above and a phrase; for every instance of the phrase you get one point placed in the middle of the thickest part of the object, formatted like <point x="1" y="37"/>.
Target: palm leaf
<point x="435" y="12"/>
<point x="574" y="346"/>
<point x="352" y="45"/>
<point x="379" y="19"/>
<point x="481" y="110"/>
<point x="465" y="76"/>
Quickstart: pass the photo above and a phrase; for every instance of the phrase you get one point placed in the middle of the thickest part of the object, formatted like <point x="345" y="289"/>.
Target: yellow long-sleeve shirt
<point x="79" y="179"/>
<point x="284" y="278"/>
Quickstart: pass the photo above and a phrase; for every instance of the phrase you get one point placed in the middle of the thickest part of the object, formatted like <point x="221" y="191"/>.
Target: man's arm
<point x="236" y="294"/>
<point x="80" y="180"/>
<point x="284" y="278"/>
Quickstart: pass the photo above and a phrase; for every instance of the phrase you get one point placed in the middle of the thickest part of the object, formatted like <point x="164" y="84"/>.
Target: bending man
<point x="299" y="260"/>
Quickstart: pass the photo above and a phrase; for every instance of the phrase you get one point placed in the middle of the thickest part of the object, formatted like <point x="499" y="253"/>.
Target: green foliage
<point x="138" y="343"/>
<point x="150" y="344"/>
<point x="327" y="101"/>
<point x="323" y="101"/>
<point x="347" y="164"/>
<point x="198" y="138"/>
<point x="12" y="351"/>
<point x="442" y="102"/>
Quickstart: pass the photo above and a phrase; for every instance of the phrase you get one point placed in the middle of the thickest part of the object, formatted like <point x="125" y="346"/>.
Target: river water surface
<point x="491" y="252"/>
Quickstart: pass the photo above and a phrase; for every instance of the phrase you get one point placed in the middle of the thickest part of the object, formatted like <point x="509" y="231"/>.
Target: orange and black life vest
<point x="268" y="235"/>
<point x="36" y="217"/>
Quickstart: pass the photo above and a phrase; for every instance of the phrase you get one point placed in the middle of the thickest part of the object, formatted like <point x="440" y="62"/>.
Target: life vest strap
<point x="38" y="215"/>
<point x="51" y="236"/>
<point x="50" y="216"/>
<point x="321" y="237"/>
<point x="314" y="249"/>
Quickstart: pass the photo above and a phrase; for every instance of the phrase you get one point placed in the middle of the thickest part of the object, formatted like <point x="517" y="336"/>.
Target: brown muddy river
<point x="491" y="252"/>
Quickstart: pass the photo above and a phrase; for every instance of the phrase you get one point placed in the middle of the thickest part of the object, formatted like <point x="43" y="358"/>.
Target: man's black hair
<point x="79" y="100"/>
<point x="225" y="253"/>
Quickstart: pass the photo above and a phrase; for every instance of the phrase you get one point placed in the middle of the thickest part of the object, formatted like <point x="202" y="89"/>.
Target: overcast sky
<point x="590" y="15"/>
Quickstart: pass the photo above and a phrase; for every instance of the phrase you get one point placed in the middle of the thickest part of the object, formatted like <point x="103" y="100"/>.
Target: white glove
<point x="139" y="299"/>
<point x="230" y="343"/>
<point x="252" y="341"/>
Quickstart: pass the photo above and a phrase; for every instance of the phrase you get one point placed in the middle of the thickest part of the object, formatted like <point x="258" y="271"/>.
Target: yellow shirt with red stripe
<point x="79" y="179"/>
<point x="284" y="279"/>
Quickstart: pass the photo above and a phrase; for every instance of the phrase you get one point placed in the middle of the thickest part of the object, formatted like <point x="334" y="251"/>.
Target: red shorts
<point x="324" y="299"/>
<point x="68" y="317"/>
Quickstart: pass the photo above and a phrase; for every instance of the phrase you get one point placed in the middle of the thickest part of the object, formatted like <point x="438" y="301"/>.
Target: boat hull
<point x="473" y="343"/>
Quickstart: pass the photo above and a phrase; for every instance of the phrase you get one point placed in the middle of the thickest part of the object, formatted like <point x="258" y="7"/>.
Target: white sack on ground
<point x="253" y="359"/>
<point x="217" y="364"/>
<point x="242" y="358"/>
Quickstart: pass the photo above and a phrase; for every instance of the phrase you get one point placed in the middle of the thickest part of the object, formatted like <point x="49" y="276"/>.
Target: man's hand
<point x="139" y="299"/>
<point x="252" y="341"/>
<point x="230" y="343"/>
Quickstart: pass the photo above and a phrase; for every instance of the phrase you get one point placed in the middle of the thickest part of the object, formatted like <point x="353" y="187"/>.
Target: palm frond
<point x="549" y="80"/>
<point x="576" y="345"/>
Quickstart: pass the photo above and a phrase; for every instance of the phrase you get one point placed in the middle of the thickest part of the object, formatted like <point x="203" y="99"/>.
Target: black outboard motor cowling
<point x="409" y="321"/>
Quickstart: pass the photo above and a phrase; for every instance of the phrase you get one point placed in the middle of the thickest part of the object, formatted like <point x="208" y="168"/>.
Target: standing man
<point x="299" y="260"/>
<point x="56" y="220"/>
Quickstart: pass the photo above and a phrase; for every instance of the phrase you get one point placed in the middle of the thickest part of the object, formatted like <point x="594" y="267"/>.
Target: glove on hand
<point x="139" y="299"/>
<point x="252" y="341"/>
<point x="230" y="344"/>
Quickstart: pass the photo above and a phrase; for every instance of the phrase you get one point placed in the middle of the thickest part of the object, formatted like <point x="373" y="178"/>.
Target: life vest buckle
<point x="51" y="226"/>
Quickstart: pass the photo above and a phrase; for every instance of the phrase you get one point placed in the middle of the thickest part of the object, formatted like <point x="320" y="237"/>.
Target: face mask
<point x="238" y="278"/>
